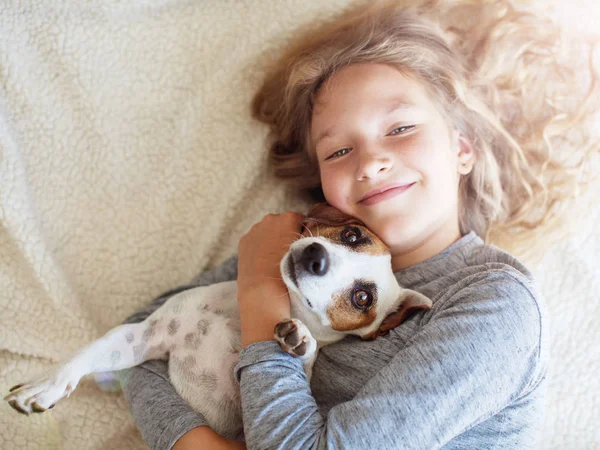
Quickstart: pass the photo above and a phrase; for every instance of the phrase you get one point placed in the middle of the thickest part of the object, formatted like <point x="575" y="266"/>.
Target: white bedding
<point x="129" y="162"/>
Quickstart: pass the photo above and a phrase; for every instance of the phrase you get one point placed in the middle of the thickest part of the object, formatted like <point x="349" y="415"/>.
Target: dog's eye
<point x="351" y="235"/>
<point x="362" y="299"/>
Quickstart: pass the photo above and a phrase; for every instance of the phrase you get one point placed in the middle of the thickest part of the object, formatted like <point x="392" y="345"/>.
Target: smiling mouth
<point x="386" y="194"/>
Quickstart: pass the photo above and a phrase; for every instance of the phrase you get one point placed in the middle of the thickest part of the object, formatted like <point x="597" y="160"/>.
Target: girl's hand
<point x="200" y="438"/>
<point x="262" y="296"/>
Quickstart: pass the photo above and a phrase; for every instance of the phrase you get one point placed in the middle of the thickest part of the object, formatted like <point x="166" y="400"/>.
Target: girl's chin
<point x="394" y="233"/>
<point x="386" y="224"/>
<point x="388" y="234"/>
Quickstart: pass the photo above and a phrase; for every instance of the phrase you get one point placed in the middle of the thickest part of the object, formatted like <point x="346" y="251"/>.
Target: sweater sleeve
<point x="475" y="354"/>
<point x="158" y="410"/>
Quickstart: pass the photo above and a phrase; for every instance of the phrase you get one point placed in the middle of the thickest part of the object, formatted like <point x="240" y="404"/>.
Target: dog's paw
<point x="40" y="395"/>
<point x="295" y="338"/>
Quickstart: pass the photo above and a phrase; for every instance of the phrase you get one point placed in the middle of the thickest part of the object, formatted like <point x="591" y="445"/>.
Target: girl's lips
<point x="385" y="194"/>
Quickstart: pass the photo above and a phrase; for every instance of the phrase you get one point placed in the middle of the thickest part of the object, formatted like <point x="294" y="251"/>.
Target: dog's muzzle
<point x="314" y="259"/>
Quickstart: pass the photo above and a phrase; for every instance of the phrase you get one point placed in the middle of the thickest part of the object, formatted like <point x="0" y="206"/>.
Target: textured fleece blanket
<point x="129" y="163"/>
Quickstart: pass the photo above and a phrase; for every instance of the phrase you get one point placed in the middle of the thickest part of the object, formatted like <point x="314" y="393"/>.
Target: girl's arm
<point x="160" y="413"/>
<point x="477" y="353"/>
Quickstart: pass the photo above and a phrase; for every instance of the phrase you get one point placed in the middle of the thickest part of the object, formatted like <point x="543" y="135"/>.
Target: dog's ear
<point x="411" y="301"/>
<point x="324" y="213"/>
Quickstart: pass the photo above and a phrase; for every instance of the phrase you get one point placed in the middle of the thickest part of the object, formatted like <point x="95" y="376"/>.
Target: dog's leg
<point x="122" y="347"/>
<point x="295" y="338"/>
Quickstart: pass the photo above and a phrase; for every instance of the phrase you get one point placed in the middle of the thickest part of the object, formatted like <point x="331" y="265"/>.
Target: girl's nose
<point x="371" y="164"/>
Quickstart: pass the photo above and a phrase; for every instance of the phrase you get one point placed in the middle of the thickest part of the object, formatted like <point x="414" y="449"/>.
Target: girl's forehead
<point x="380" y="82"/>
<point x="367" y="90"/>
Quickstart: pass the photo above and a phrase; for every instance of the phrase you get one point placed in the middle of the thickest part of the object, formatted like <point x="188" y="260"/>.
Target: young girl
<point x="436" y="135"/>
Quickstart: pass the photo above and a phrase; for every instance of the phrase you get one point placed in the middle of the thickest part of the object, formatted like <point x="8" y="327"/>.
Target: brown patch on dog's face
<point x="339" y="228"/>
<point x="327" y="214"/>
<point x="354" y="237"/>
<point x="353" y="308"/>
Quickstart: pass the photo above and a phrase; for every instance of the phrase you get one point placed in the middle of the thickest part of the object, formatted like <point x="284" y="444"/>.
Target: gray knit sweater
<point x="469" y="373"/>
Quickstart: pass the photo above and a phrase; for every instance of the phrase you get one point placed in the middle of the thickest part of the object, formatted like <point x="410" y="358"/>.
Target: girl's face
<point x="387" y="156"/>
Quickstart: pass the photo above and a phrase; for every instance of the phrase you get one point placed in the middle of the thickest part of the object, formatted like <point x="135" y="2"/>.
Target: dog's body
<point x="340" y="282"/>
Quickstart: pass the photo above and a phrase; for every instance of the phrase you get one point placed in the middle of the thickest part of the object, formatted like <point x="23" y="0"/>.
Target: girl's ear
<point x="465" y="154"/>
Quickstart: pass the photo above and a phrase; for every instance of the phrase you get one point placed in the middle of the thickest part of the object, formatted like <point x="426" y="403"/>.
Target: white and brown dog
<point x="340" y="282"/>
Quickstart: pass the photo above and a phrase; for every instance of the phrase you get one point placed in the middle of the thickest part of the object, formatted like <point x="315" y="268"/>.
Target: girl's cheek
<point x="327" y="185"/>
<point x="333" y="189"/>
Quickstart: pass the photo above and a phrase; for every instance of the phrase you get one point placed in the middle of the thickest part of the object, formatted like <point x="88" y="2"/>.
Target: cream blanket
<point x="129" y="163"/>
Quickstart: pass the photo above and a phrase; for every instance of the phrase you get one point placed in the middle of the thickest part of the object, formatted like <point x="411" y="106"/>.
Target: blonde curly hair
<point x="503" y="77"/>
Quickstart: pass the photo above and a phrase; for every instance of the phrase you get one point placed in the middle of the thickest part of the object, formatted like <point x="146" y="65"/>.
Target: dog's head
<point x="340" y="279"/>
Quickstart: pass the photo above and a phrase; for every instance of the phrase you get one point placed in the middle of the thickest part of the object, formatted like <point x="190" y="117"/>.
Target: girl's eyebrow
<point x="326" y="134"/>
<point x="393" y="106"/>
<point x="399" y="104"/>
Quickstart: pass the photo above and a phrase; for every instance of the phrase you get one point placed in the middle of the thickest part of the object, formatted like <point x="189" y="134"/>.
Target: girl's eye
<point x="401" y="129"/>
<point x="339" y="153"/>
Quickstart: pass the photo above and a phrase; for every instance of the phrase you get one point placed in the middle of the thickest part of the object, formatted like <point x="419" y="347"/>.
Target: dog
<point x="340" y="282"/>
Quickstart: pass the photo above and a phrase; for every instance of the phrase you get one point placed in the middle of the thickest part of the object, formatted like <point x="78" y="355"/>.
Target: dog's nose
<point x="314" y="259"/>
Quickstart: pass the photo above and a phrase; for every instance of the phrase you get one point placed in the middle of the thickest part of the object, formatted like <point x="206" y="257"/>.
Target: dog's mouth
<point x="291" y="268"/>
